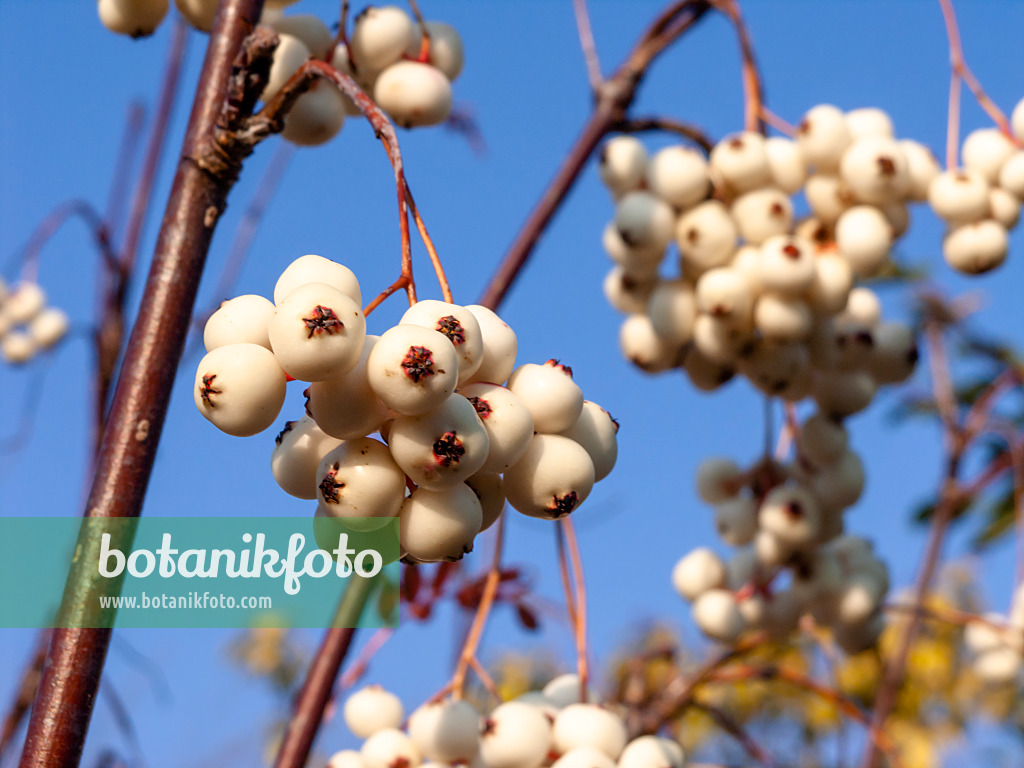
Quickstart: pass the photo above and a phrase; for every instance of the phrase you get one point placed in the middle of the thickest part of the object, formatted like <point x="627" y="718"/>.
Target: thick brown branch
<point x="63" y="707"/>
<point x="668" y="125"/>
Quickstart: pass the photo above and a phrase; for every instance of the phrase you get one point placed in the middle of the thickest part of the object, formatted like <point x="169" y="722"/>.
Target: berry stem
<point x="423" y="55"/>
<point x="776" y="122"/>
<point x="588" y="45"/>
<point x="668" y="125"/>
<point x="483" y="610"/>
<point x="358" y="667"/>
<point x="578" y="598"/>
<point x="960" y="68"/>
<point x="753" y="110"/>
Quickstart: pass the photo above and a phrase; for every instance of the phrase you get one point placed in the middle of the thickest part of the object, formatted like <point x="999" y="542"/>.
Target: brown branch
<point x="317" y="689"/>
<point x="118" y="195"/>
<point x="57" y="218"/>
<point x="753" y="97"/>
<point x="668" y="125"/>
<point x="950" y="496"/>
<point x="63" y="706"/>
<point x="737" y="731"/>
<point x="22" y="702"/>
<point x="614" y="99"/>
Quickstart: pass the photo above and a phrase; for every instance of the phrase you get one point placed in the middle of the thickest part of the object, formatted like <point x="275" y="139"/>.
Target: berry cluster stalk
<point x="63" y="707"/>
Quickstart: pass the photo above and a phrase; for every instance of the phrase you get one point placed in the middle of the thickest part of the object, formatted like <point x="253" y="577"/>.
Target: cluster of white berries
<point x="981" y="201"/>
<point x="27" y="325"/>
<point x="432" y="387"/>
<point x="759" y="291"/>
<point x="382" y="55"/>
<point x="788" y="522"/>
<point x="997" y="643"/>
<point x="541" y="728"/>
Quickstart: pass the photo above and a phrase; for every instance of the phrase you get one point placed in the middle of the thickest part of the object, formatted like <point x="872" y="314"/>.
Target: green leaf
<point x="1000" y="520"/>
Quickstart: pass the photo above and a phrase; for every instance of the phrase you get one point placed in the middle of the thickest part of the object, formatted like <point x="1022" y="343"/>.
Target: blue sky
<point x="67" y="86"/>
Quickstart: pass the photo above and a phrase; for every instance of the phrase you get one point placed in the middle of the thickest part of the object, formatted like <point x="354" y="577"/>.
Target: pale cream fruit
<point x="1017" y="121"/>
<point x="736" y="520"/>
<point x="894" y="354"/>
<point x="746" y="261"/>
<point x="297" y="452"/>
<point x="345" y="406"/>
<point x="290" y="54"/>
<point x="596" y="431"/>
<point x="380" y="37"/>
<point x="786" y="164"/>
<point x="718" y="616"/>
<point x="507" y="421"/>
<point x="412" y="369"/>
<point x="564" y="690"/>
<point x="48" y="327"/>
<point x="827" y="197"/>
<point x="346" y="758"/>
<point x="999" y="666"/>
<point x="644" y="221"/>
<point x="309" y="29"/>
<point x="652" y="752"/>
<point x="718" y="339"/>
<point x="446" y="731"/>
<point x="627" y="292"/>
<point x="317" y="332"/>
<point x="239" y="388"/>
<point x="839" y="485"/>
<point x="241" y="320"/>
<point x="316" y="269"/>
<point x="791" y="514"/>
<point x="782" y="613"/>
<point x="706" y="236"/>
<point x="589" y="725"/>
<point x="823" y="136"/>
<point x="781" y="318"/>
<point x="985" y="150"/>
<point x="724" y="293"/>
<point x="458" y="324"/>
<point x="869" y="121"/>
<point x="959" y="196"/>
<point x="445" y="52"/>
<point x="584" y="757"/>
<point x="718" y="479"/>
<point x="821" y="441"/>
<point x="515" y="735"/>
<point x="705" y="374"/>
<point x="635" y="259"/>
<point x="863" y="308"/>
<point x="833" y="279"/>
<point x="441" y="448"/>
<point x="922" y="168"/>
<point x="553" y="399"/>
<point x="413" y="94"/>
<point x="438" y="526"/>
<point x="500" y="346"/>
<point x="135" y="18"/>
<point x="388" y="748"/>
<point x="875" y="170"/>
<point x="741" y="569"/>
<point x="1004" y="207"/>
<point x="23" y="302"/>
<point x="843" y="393"/>
<point x="860" y="597"/>
<point x="622" y="164"/>
<point x="856" y="638"/>
<point x="359" y="478"/>
<point x="315" y="117"/>
<point x="779" y="369"/>
<point x="679" y="176"/>
<point x="770" y="551"/>
<point x="198" y="13"/>
<point x="17" y="348"/>
<point x="372" y="709"/>
<point x="672" y="310"/>
<point x="864" y="237"/>
<point x="1011" y="177"/>
<point x="787" y="265"/>
<point x="983" y="636"/>
<point x="976" y="248"/>
<point x="552" y="479"/>
<point x="698" y="572"/>
<point x="489" y="488"/>
<point x="740" y="162"/>
<point x="762" y="213"/>
<point x="340" y="61"/>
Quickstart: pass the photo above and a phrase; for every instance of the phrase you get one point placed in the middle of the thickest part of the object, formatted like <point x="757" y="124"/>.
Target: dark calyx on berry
<point x="207" y="389"/>
<point x="330" y="486"/>
<point x="452" y="328"/>
<point x="563" y="368"/>
<point x="418" y="363"/>
<point x="483" y="408"/>
<point x="323" y="320"/>
<point x="287" y="428"/>
<point x="448" y="449"/>
<point x="561" y="506"/>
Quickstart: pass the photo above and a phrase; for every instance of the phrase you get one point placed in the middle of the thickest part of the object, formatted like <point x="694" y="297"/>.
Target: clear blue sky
<point x="67" y="85"/>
